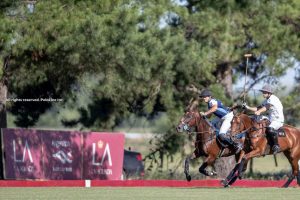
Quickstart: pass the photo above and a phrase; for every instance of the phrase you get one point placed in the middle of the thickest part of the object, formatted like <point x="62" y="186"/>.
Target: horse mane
<point x="244" y="115"/>
<point x="193" y="106"/>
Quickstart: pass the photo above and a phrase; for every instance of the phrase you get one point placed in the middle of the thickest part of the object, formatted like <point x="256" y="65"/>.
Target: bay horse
<point x="240" y="123"/>
<point x="206" y="143"/>
<point x="288" y="139"/>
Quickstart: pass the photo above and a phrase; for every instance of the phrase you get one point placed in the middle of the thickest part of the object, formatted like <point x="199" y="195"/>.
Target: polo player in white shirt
<point x="273" y="105"/>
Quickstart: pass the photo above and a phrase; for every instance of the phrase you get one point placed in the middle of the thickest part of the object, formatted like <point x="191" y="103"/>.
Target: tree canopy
<point x="139" y="56"/>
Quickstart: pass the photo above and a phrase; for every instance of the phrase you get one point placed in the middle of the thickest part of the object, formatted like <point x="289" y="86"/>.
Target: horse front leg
<point x="233" y="175"/>
<point x="208" y="162"/>
<point x="243" y="169"/>
<point x="186" y="169"/>
<point x="231" y="178"/>
<point x="187" y="165"/>
<point x="243" y="164"/>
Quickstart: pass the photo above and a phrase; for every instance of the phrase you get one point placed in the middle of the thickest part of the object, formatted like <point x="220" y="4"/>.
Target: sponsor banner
<point x="42" y="154"/>
<point x="62" y="154"/>
<point x="23" y="154"/>
<point x="103" y="155"/>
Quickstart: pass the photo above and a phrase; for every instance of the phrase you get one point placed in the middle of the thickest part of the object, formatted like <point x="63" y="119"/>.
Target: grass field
<point x="150" y="193"/>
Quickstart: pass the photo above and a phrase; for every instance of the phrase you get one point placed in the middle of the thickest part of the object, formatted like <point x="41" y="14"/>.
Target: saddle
<point x="281" y="132"/>
<point x="221" y="144"/>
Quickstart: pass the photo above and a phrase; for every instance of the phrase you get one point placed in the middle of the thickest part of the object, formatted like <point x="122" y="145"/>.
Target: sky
<point x="287" y="81"/>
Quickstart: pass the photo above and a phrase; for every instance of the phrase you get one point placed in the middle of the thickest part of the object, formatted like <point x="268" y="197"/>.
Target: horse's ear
<point x="236" y="116"/>
<point x="238" y="120"/>
<point x="194" y="105"/>
<point x="188" y="107"/>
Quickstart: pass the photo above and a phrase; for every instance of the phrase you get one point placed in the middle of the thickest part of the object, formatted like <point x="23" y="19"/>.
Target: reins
<point x="242" y="134"/>
<point x="200" y="137"/>
<point x="211" y="129"/>
<point x="258" y="134"/>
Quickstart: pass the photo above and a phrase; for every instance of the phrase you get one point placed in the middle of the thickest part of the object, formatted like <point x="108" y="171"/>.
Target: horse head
<point x="239" y="123"/>
<point x="253" y="127"/>
<point x="258" y="129"/>
<point x="189" y="120"/>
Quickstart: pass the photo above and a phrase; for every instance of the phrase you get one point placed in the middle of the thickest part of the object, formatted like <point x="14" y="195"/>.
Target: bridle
<point x="249" y="130"/>
<point x="200" y="135"/>
<point x="260" y="133"/>
<point x="186" y="121"/>
<point x="201" y="138"/>
<point x="238" y="130"/>
<point x="187" y="127"/>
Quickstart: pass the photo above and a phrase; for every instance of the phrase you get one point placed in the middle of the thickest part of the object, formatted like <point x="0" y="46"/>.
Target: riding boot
<point x="236" y="146"/>
<point x="273" y="137"/>
<point x="275" y="148"/>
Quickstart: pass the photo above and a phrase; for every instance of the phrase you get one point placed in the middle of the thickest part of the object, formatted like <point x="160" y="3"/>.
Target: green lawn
<point x="150" y="193"/>
<point x="267" y="164"/>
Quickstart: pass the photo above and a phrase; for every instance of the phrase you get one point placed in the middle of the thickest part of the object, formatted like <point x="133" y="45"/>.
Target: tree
<point x="139" y="55"/>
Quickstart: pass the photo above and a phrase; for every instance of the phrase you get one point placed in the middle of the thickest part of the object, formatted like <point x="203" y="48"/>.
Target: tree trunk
<point x="3" y="96"/>
<point x="224" y="76"/>
<point x="3" y="119"/>
<point x="223" y="166"/>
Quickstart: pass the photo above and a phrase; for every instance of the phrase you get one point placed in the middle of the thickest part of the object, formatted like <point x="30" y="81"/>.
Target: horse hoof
<point x="224" y="183"/>
<point x="188" y="178"/>
<point x="239" y="175"/>
<point x="214" y="173"/>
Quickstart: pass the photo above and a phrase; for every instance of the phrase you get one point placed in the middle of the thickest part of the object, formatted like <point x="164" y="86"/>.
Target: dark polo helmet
<point x="266" y="88"/>
<point x="205" y="93"/>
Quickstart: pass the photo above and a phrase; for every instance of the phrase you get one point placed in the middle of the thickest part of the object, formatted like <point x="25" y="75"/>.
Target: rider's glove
<point x="245" y="106"/>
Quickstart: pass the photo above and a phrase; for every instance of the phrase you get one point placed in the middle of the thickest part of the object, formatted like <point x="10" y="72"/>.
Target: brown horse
<point x="241" y="123"/>
<point x="289" y="142"/>
<point x="206" y="143"/>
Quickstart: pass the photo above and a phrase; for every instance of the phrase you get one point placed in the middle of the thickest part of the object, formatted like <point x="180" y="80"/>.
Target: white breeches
<point x="226" y="123"/>
<point x="276" y="125"/>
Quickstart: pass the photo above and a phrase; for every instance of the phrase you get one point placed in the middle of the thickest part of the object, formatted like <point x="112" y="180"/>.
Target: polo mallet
<point x="247" y="61"/>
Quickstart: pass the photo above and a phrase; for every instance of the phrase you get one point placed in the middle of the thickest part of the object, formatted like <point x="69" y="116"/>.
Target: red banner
<point x="42" y="154"/>
<point x="62" y="154"/>
<point x="103" y="156"/>
<point x="23" y="154"/>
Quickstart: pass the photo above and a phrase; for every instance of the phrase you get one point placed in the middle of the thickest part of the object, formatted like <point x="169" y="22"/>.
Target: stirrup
<point x="275" y="149"/>
<point x="237" y="148"/>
